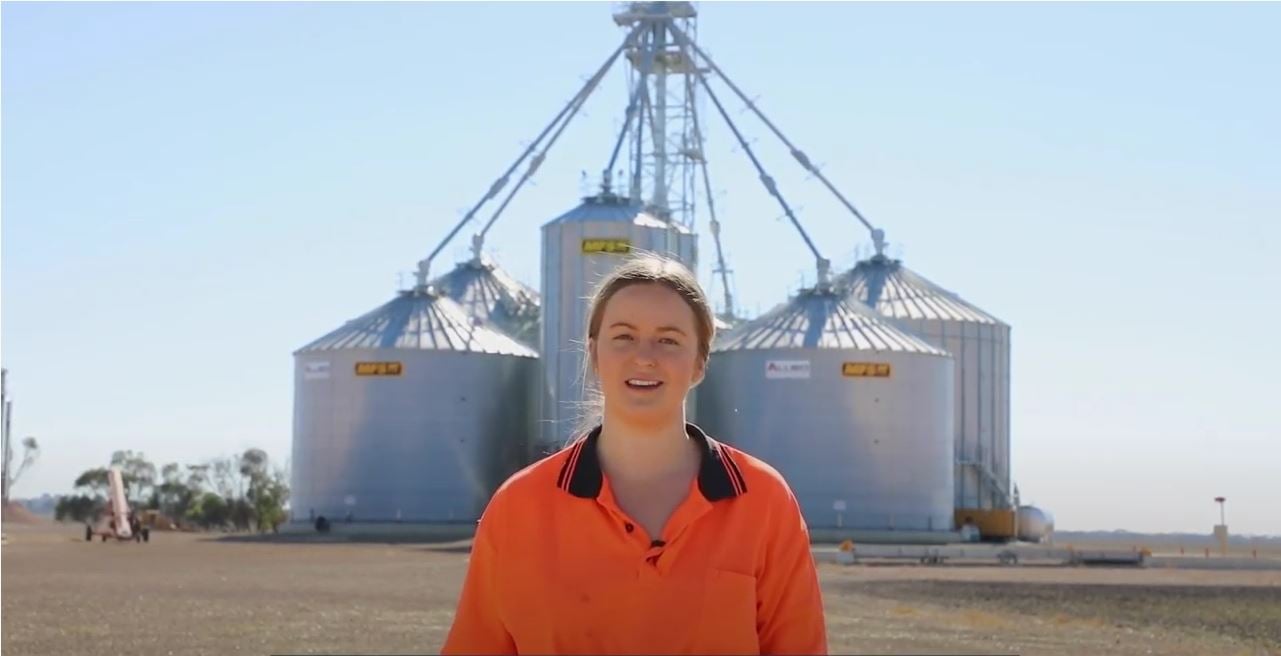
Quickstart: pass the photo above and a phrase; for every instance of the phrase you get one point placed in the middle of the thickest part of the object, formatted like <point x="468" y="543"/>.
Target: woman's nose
<point x="644" y="353"/>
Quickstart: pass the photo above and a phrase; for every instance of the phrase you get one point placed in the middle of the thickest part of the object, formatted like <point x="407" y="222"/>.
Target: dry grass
<point x="1242" y="615"/>
<point x="187" y="594"/>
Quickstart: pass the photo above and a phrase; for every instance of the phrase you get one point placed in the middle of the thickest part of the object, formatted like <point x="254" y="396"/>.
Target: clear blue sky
<point x="192" y="191"/>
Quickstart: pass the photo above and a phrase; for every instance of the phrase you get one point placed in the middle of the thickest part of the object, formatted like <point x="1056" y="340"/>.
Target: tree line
<point x="241" y="492"/>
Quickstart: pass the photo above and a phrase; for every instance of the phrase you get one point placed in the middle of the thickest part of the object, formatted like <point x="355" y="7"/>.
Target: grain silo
<point x="854" y="412"/>
<point x="724" y="327"/>
<point x="579" y="248"/>
<point x="488" y="292"/>
<point x="980" y="345"/>
<point x="413" y="412"/>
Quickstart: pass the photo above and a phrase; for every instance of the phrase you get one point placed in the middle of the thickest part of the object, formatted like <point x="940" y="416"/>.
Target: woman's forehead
<point x="647" y="303"/>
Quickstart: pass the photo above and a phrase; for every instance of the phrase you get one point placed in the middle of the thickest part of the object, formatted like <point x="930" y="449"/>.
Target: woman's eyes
<point x="630" y="338"/>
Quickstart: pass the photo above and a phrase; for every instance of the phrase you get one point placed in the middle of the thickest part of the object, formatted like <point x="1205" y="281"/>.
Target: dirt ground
<point x="196" y="594"/>
<point x="16" y="513"/>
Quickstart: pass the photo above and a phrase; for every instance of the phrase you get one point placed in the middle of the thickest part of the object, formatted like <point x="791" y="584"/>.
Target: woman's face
<point x="646" y="354"/>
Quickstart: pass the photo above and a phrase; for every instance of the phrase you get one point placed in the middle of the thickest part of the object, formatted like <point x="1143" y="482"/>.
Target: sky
<point x="190" y="192"/>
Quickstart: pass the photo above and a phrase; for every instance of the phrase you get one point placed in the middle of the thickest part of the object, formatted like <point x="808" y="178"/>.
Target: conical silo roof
<point x="723" y="324"/>
<point x="610" y="207"/>
<point x="487" y="292"/>
<point x="822" y="319"/>
<point x="724" y="327"/>
<point x="896" y="291"/>
<point x="420" y="319"/>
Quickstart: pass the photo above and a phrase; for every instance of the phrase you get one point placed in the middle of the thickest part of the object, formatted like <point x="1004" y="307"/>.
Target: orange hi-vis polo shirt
<point x="558" y="568"/>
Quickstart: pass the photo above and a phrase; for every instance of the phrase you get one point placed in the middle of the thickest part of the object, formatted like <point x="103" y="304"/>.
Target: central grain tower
<point x="653" y="214"/>
<point x="579" y="248"/>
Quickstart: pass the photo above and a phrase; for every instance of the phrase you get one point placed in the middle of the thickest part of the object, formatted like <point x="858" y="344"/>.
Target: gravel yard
<point x="197" y="594"/>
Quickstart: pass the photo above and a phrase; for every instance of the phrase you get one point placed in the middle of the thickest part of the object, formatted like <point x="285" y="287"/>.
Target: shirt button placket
<point x="647" y="572"/>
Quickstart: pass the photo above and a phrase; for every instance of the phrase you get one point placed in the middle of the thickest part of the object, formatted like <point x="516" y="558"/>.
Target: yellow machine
<point x="1022" y="523"/>
<point x="993" y="524"/>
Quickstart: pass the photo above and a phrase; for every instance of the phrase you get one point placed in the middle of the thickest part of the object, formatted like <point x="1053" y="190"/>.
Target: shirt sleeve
<point x="790" y="611"/>
<point x="478" y="627"/>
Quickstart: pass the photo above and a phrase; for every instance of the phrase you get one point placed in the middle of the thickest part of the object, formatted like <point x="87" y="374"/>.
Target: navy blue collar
<point x="718" y="476"/>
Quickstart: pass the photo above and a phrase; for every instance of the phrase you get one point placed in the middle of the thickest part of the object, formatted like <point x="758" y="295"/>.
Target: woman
<point x="644" y="535"/>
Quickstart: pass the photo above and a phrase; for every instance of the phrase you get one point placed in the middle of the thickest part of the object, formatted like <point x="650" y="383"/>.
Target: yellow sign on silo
<point x="607" y="245"/>
<point x="379" y="368"/>
<point x="866" y="369"/>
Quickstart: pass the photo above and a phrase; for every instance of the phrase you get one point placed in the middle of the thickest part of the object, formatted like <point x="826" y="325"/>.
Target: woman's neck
<point x="631" y="452"/>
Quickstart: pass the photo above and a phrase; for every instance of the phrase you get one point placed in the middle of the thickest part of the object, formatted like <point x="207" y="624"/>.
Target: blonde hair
<point x="641" y="269"/>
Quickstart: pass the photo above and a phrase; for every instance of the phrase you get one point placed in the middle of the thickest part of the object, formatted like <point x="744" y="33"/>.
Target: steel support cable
<point x="711" y="201"/>
<point x="878" y="236"/>
<point x="632" y="111"/>
<point x="534" y="164"/>
<point x="647" y="69"/>
<point x="424" y="266"/>
<point x="538" y="159"/>
<point x="822" y="263"/>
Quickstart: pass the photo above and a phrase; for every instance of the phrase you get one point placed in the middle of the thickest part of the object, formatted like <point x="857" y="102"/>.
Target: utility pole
<point x="6" y="423"/>
<point x="1221" y="531"/>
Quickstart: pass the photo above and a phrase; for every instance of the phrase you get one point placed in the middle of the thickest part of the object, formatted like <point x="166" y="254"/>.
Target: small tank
<point x="1035" y="525"/>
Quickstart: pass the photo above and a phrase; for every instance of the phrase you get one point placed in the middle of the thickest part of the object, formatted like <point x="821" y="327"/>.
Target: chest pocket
<point x="729" y="613"/>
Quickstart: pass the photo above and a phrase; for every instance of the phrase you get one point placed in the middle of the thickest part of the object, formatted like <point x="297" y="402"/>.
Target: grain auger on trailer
<point x="117" y="520"/>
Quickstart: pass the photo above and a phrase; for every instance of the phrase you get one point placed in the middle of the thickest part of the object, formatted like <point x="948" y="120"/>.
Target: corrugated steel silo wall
<point x="881" y="445"/>
<point x="430" y="445"/>
<point x="982" y="424"/>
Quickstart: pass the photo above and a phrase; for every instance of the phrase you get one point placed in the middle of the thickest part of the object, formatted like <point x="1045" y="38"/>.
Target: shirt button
<point x="629" y="527"/>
